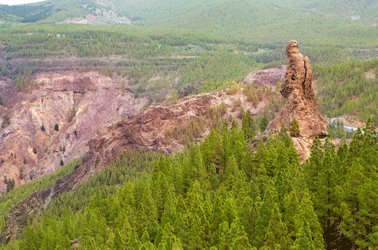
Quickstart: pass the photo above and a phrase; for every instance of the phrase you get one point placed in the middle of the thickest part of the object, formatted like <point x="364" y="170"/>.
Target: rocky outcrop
<point x="265" y="77"/>
<point x="298" y="73"/>
<point x="300" y="103"/>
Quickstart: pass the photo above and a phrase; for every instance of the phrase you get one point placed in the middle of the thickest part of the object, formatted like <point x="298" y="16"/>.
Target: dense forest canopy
<point x="221" y="195"/>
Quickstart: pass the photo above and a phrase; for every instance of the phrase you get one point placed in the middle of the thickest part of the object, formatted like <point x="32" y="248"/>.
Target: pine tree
<point x="161" y="192"/>
<point x="216" y="218"/>
<point x="31" y="240"/>
<point x="247" y="213"/>
<point x="224" y="236"/>
<point x="370" y="128"/>
<point x="238" y="237"/>
<point x="307" y="214"/>
<point x="294" y="128"/>
<point x="118" y="240"/>
<point x="265" y="215"/>
<point x="231" y="173"/>
<point x="312" y="166"/>
<point x="126" y="196"/>
<point x="169" y="215"/>
<point x="291" y="205"/>
<point x="328" y="193"/>
<point x="248" y="125"/>
<point x="304" y="238"/>
<point x="261" y="152"/>
<point x="282" y="179"/>
<point x="277" y="234"/>
<point x="264" y="123"/>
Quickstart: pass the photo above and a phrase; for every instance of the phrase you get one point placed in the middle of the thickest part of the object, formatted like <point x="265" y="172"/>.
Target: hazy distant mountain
<point x="255" y="20"/>
<point x="196" y="13"/>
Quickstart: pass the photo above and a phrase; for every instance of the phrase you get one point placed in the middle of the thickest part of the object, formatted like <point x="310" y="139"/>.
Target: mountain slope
<point x="342" y="22"/>
<point x="63" y="11"/>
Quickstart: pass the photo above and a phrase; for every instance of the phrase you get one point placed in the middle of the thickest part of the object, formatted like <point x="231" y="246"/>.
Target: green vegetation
<point x="5" y="122"/>
<point x="264" y="123"/>
<point x="71" y="114"/>
<point x="2" y="101"/>
<point x="336" y="130"/>
<point x="21" y="174"/>
<point x="10" y="184"/>
<point x="25" y="14"/>
<point x="348" y="88"/>
<point x="314" y="22"/>
<point x="220" y="194"/>
<point x="155" y="61"/>
<point x="294" y="128"/>
<point x="248" y="126"/>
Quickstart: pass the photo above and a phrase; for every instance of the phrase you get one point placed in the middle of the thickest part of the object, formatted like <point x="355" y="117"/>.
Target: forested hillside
<point x="337" y="23"/>
<point x="348" y="88"/>
<point x="221" y="195"/>
<point x="172" y="58"/>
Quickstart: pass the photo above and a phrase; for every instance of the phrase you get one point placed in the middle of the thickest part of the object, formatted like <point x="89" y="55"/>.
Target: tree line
<point x="220" y="194"/>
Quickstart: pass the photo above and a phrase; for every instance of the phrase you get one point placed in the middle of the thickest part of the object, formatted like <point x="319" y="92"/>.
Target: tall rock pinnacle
<point x="299" y="95"/>
<point x="298" y="73"/>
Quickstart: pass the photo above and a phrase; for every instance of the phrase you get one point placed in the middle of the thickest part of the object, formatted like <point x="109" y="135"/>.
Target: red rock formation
<point x="300" y="103"/>
<point x="98" y="101"/>
<point x="298" y="73"/>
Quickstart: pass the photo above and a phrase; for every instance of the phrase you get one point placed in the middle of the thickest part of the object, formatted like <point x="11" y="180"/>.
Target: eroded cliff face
<point x="146" y="131"/>
<point x="82" y="105"/>
<point x="300" y="103"/>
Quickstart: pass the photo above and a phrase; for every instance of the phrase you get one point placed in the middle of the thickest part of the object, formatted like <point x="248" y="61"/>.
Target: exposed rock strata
<point x="98" y="101"/>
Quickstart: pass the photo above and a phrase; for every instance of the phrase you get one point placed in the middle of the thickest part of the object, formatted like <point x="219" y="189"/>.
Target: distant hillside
<point x="69" y="11"/>
<point x="177" y="13"/>
<point x="26" y="13"/>
<point x="342" y="23"/>
<point x="312" y="22"/>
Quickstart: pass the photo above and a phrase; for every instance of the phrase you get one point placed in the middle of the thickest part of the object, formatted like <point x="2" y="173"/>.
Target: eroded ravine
<point x="73" y="108"/>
